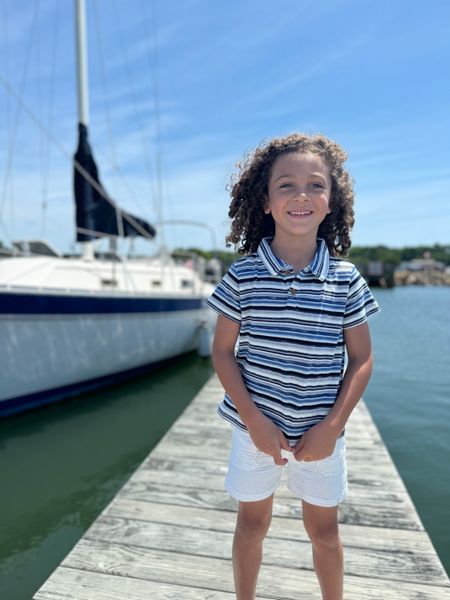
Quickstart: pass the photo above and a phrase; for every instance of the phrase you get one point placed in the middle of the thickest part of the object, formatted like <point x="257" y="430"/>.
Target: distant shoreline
<point x="421" y="278"/>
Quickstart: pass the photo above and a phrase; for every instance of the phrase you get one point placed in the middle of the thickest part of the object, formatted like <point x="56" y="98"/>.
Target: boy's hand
<point x="316" y="444"/>
<point x="268" y="438"/>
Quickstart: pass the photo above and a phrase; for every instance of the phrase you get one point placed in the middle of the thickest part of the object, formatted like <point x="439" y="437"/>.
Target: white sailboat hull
<point x="57" y="341"/>
<point x="50" y="356"/>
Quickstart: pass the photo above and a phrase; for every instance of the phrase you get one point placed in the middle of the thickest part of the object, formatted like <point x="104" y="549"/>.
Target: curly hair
<point x="249" y="189"/>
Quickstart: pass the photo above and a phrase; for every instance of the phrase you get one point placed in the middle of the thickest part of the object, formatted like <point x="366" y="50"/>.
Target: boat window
<point x="155" y="283"/>
<point x="38" y="247"/>
<point x="187" y="283"/>
<point x="109" y="282"/>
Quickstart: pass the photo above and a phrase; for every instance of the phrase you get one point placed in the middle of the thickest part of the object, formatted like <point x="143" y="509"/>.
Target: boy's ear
<point x="266" y="205"/>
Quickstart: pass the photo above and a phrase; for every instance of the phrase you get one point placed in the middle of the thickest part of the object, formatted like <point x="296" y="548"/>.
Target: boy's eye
<point x="317" y="186"/>
<point x="285" y="185"/>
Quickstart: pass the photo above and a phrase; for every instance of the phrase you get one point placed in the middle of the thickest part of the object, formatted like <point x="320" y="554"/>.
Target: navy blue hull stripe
<point x="45" y="304"/>
<point x="22" y="403"/>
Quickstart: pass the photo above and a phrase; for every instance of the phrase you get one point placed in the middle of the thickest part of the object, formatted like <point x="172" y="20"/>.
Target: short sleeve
<point x="225" y="299"/>
<point x="360" y="302"/>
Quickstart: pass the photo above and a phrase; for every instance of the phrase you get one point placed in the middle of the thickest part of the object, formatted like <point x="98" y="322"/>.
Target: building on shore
<point x="422" y="271"/>
<point x="377" y="273"/>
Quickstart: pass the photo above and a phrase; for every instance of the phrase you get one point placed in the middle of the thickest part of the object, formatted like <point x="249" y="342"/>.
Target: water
<point x="61" y="465"/>
<point x="409" y="398"/>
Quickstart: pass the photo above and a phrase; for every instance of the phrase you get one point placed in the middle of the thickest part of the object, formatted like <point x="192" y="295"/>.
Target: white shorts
<point x="253" y="475"/>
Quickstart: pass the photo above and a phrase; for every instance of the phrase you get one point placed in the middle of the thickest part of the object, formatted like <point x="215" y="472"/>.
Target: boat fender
<point x="204" y="339"/>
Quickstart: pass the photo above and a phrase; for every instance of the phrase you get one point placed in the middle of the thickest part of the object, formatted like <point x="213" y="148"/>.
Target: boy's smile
<point x="298" y="194"/>
<point x="298" y="213"/>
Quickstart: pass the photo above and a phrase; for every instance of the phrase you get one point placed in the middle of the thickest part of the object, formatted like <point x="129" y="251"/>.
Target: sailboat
<point x="69" y="324"/>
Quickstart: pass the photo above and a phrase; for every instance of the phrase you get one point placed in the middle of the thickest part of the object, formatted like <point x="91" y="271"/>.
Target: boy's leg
<point x="321" y="525"/>
<point x="253" y="521"/>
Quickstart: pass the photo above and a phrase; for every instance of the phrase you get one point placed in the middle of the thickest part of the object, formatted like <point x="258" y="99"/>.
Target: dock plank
<point x="285" y="528"/>
<point x="168" y="532"/>
<point x="279" y="550"/>
<point x="71" y="584"/>
<point x="189" y="570"/>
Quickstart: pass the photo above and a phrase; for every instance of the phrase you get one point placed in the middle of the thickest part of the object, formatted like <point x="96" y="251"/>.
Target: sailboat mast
<point x="82" y="76"/>
<point x="82" y="88"/>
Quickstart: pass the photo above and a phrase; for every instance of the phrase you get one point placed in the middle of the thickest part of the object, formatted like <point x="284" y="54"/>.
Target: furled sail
<point x="96" y="213"/>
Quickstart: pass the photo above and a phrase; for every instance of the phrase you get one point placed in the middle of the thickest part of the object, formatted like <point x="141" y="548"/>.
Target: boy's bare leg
<point x="253" y="521"/>
<point x="322" y="527"/>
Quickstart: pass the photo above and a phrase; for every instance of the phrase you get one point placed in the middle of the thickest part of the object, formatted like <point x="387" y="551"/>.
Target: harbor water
<point x="62" y="464"/>
<point x="409" y="398"/>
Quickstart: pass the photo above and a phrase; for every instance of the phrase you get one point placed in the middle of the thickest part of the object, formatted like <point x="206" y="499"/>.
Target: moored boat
<point x="68" y="325"/>
<point x="73" y="323"/>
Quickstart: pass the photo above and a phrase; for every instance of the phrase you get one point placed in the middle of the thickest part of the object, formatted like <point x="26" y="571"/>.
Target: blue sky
<point x="371" y="75"/>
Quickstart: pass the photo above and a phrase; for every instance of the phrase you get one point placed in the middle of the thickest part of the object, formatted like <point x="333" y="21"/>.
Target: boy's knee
<point x="325" y="537"/>
<point x="255" y="527"/>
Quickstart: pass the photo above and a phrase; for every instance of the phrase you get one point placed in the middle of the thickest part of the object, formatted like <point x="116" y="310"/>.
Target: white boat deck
<point x="168" y="533"/>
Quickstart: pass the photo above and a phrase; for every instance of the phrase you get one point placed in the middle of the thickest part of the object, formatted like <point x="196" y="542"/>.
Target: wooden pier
<point x="167" y="534"/>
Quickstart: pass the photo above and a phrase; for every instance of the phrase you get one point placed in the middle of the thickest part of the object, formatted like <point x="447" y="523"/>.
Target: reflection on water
<point x="61" y="465"/>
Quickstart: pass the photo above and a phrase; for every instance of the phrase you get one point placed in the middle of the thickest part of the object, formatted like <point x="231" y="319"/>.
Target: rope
<point x="7" y="112"/>
<point x="137" y="114"/>
<point x="153" y="62"/>
<point x="98" y="39"/>
<point x="113" y="162"/>
<point x="17" y="113"/>
<point x="47" y="153"/>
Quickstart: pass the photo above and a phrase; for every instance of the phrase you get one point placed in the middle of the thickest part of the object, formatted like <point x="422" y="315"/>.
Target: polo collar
<point x="319" y="265"/>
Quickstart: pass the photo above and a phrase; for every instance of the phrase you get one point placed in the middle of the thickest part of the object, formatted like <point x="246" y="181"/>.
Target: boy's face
<point x="298" y="194"/>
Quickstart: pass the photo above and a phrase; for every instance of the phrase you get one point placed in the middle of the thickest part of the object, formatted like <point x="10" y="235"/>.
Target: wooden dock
<point x="167" y="534"/>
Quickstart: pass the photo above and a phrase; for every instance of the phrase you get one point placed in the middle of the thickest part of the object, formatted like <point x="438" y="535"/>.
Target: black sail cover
<point x="93" y="212"/>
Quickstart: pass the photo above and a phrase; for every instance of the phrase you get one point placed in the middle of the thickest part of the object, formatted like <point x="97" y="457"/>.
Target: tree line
<point x="357" y="254"/>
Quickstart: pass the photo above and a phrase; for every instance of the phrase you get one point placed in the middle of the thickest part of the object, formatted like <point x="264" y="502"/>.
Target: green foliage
<point x="394" y="256"/>
<point x="360" y="255"/>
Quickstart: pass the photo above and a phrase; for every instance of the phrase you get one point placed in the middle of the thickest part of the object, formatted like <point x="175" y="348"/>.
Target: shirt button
<point x="293" y="291"/>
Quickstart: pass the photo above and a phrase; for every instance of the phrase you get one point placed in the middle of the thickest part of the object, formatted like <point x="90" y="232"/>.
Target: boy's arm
<point x="265" y="434"/>
<point x="319" y="441"/>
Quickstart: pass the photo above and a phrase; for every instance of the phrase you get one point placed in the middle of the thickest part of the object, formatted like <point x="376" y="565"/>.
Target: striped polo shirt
<point x="291" y="349"/>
